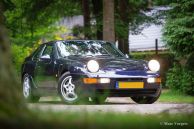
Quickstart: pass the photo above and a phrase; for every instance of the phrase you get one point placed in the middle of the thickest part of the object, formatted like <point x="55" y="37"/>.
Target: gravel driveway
<point x="119" y="105"/>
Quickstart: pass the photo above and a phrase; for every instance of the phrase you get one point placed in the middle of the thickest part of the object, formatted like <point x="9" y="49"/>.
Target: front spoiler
<point x="111" y="90"/>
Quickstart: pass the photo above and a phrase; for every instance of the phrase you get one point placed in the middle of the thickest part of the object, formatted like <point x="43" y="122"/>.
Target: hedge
<point x="165" y="58"/>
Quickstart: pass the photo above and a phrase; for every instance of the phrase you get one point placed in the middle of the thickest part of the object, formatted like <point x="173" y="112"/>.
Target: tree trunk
<point x="150" y="4"/>
<point x="97" y="10"/>
<point x="124" y="12"/>
<point x="10" y="97"/>
<point x="123" y="45"/>
<point x="86" y="12"/>
<point x="108" y="20"/>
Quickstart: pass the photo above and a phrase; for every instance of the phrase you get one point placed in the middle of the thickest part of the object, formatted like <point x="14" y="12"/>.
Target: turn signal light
<point x="90" y="80"/>
<point x="96" y="80"/>
<point x="158" y="80"/>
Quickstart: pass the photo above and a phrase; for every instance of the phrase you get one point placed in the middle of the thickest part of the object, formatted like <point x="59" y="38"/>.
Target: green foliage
<point x="174" y="77"/>
<point x="32" y="22"/>
<point x="165" y="58"/>
<point x="49" y="11"/>
<point x="98" y="120"/>
<point x="19" y="53"/>
<point x="77" y="30"/>
<point x="11" y="102"/>
<point x="179" y="27"/>
<point x="163" y="2"/>
<point x="147" y="55"/>
<point x="174" y="96"/>
<point x="178" y="34"/>
<point x="181" y="79"/>
<point x="22" y="47"/>
<point x="190" y="62"/>
<point x="29" y="21"/>
<point x="134" y="20"/>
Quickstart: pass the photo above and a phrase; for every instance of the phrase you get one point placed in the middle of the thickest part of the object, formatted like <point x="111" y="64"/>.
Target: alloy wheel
<point x="26" y="87"/>
<point x="68" y="89"/>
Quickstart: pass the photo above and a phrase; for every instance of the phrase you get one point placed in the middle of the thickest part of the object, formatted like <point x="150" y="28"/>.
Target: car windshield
<point x="87" y="48"/>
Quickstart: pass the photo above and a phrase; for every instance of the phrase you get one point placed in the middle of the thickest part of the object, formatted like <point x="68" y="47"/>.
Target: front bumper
<point x="111" y="89"/>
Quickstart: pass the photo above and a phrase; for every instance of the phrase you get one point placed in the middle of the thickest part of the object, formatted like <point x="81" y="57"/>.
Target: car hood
<point x="114" y="64"/>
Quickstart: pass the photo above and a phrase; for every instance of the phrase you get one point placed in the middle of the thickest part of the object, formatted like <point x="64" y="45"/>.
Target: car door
<point x="44" y="71"/>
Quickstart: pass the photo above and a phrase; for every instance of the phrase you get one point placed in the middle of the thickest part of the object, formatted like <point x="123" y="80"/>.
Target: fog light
<point x="104" y="80"/>
<point x="151" y="80"/>
<point x="154" y="80"/>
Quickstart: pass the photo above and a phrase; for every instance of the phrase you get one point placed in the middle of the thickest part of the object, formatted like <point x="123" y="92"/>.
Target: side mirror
<point x="126" y="55"/>
<point x="45" y="57"/>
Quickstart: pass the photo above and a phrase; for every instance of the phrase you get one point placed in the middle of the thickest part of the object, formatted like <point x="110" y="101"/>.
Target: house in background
<point x="70" y="22"/>
<point x="142" y="42"/>
<point x="146" y="39"/>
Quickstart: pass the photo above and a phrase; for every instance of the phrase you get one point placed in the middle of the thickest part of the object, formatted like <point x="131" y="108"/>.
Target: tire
<point x="146" y="99"/>
<point x="70" y="91"/>
<point x="28" y="90"/>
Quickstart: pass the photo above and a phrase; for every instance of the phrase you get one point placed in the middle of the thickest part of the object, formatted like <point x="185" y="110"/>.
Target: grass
<point x="146" y="55"/>
<point x="85" y="120"/>
<point x="149" y="52"/>
<point x="101" y="120"/>
<point x="175" y="97"/>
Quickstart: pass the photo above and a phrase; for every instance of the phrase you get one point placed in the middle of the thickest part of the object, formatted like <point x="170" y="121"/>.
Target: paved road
<point x="119" y="105"/>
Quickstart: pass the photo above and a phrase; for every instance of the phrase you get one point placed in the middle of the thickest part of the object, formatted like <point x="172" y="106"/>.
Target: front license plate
<point x="126" y="85"/>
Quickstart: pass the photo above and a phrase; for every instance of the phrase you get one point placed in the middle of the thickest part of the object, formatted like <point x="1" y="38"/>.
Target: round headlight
<point x="93" y="66"/>
<point x="154" y="65"/>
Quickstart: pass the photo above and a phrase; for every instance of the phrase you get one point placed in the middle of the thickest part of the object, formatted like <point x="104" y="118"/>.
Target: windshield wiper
<point x="75" y="55"/>
<point x="105" y="55"/>
<point x="83" y="55"/>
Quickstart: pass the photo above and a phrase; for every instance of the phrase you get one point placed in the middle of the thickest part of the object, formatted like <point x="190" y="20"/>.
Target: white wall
<point x="70" y="22"/>
<point x="146" y="39"/>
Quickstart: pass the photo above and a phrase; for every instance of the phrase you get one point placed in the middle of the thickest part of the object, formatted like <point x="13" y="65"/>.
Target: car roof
<point x="52" y="42"/>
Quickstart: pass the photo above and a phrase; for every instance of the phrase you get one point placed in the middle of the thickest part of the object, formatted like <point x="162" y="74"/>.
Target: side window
<point x="111" y="50"/>
<point x="48" y="51"/>
<point x="37" y="53"/>
<point x="63" y="49"/>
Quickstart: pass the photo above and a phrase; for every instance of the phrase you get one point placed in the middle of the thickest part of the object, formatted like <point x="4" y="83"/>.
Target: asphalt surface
<point x="117" y="105"/>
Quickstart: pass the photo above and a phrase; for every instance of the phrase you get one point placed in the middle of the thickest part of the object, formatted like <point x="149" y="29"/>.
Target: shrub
<point x="187" y="82"/>
<point x="181" y="79"/>
<point x="179" y="28"/>
<point x="173" y="77"/>
<point x="19" y="53"/>
<point x="165" y="58"/>
<point x="190" y="62"/>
